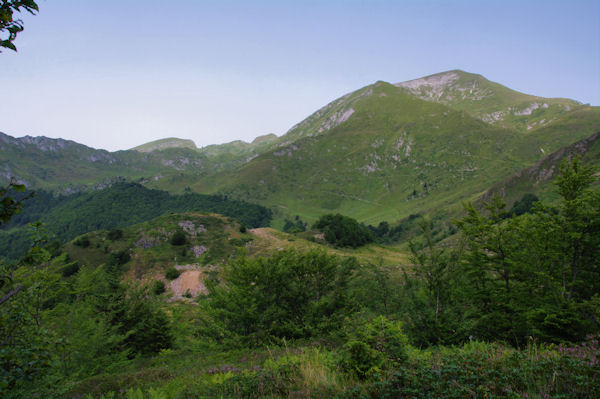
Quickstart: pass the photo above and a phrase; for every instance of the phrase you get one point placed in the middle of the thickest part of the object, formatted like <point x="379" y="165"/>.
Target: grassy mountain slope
<point x="538" y="179"/>
<point x="382" y="152"/>
<point x="67" y="166"/>
<point x="230" y="155"/>
<point x="171" y="142"/>
<point x="57" y="163"/>
<point x="489" y="101"/>
<point x="394" y="155"/>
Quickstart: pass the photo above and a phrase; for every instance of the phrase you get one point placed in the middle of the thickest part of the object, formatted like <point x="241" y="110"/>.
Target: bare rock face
<point x="445" y="88"/>
<point x="190" y="228"/>
<point x="198" y="250"/>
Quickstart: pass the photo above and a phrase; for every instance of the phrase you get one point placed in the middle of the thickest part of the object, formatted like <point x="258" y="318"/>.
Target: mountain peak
<point x="489" y="101"/>
<point x="448" y="86"/>
<point x="171" y="142"/>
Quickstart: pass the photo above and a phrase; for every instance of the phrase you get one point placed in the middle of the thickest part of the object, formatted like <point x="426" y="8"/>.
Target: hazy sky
<point x="115" y="74"/>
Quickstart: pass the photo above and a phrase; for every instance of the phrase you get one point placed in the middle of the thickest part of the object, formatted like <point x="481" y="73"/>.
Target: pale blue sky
<point x="114" y="74"/>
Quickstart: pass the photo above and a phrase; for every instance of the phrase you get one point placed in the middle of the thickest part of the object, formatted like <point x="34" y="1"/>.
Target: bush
<point x="70" y="269"/>
<point x="372" y="344"/>
<point x="343" y="231"/>
<point x="288" y="295"/>
<point x="118" y="259"/>
<point x="172" y="273"/>
<point x="115" y="234"/>
<point x="147" y="325"/>
<point x="361" y="360"/>
<point x="82" y="242"/>
<point x="178" y="238"/>
<point x="158" y="287"/>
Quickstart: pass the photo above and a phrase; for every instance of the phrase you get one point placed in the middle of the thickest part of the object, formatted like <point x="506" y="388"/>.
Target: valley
<point x="435" y="237"/>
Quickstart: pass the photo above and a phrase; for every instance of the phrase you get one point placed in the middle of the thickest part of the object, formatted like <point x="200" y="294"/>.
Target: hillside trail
<point x="266" y="234"/>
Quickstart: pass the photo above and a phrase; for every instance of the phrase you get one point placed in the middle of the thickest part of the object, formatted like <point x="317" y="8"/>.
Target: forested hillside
<point x="120" y="205"/>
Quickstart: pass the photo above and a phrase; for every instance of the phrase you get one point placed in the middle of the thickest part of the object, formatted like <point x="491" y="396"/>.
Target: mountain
<point x="489" y="101"/>
<point x="382" y="152"/>
<point x="171" y="142"/>
<point x="538" y="179"/>
<point x="42" y="162"/>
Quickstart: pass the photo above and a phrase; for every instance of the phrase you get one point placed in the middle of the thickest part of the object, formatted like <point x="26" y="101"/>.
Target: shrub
<point x="158" y="287"/>
<point x="172" y="273"/>
<point x="343" y="231"/>
<point x="115" y="234"/>
<point x="82" y="242"/>
<point x="371" y="344"/>
<point x="178" y="238"/>
<point x="361" y="360"/>
<point x="288" y="295"/>
<point x="70" y="269"/>
<point x="147" y="325"/>
<point x="118" y="259"/>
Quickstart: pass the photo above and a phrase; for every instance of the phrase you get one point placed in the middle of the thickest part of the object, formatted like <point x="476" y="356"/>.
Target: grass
<point x="476" y="369"/>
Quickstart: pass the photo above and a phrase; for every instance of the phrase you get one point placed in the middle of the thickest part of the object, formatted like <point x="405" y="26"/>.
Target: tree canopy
<point x="11" y="26"/>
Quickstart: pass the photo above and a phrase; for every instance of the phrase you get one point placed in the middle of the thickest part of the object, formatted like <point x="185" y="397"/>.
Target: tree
<point x="536" y="274"/>
<point x="434" y="318"/>
<point x="343" y="231"/>
<point x="8" y="205"/>
<point x="288" y="295"/>
<point x="10" y="25"/>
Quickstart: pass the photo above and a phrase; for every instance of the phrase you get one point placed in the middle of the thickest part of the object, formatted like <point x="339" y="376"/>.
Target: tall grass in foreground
<point x="475" y="370"/>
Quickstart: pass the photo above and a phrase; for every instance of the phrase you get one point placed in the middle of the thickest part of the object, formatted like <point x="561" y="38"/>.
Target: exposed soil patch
<point x="189" y="281"/>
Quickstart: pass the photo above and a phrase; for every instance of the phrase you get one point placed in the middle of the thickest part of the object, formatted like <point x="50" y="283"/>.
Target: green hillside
<point x="539" y="178"/>
<point x="383" y="152"/>
<point x="118" y="206"/>
<point x="171" y="142"/>
<point x="394" y="155"/>
<point x="489" y="101"/>
<point x="67" y="166"/>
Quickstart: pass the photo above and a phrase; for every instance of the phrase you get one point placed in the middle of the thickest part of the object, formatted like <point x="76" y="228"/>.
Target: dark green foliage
<point x="491" y="372"/>
<point x="39" y="203"/>
<point x="119" y="258"/>
<point x="121" y="205"/>
<point x="70" y="269"/>
<point x="158" y="287"/>
<point x="374" y="345"/>
<point x="178" y="238"/>
<point x="288" y="295"/>
<point x="240" y="242"/>
<point x="343" y="231"/>
<point x="535" y="274"/>
<point x="147" y="326"/>
<point x="362" y="360"/>
<point x="295" y="226"/>
<point x="243" y="229"/>
<point x="82" y="242"/>
<point x="431" y="291"/>
<point x="115" y="234"/>
<point x="11" y="25"/>
<point x="524" y="205"/>
<point x="10" y="206"/>
<point x="172" y="273"/>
